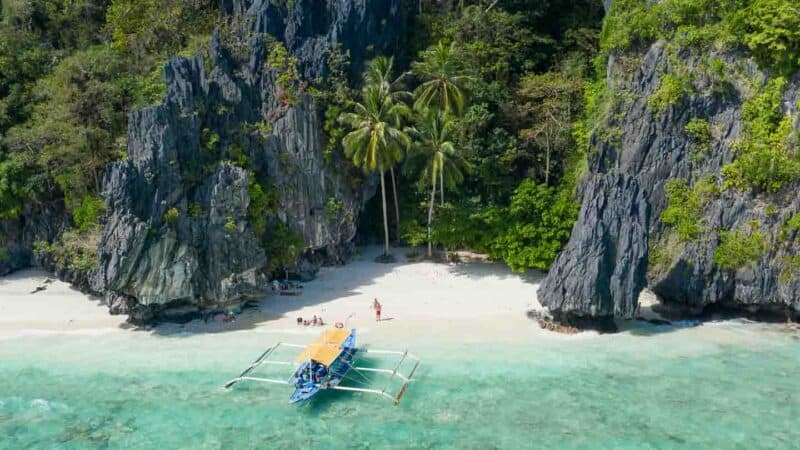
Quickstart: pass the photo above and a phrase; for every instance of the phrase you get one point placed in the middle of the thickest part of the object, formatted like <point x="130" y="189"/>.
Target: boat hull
<point x="307" y="388"/>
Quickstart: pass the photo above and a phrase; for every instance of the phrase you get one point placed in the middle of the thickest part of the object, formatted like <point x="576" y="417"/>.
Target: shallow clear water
<point x="721" y="386"/>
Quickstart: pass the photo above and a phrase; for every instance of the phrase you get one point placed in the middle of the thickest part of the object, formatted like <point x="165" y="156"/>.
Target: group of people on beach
<point x="314" y="322"/>
<point x="317" y="320"/>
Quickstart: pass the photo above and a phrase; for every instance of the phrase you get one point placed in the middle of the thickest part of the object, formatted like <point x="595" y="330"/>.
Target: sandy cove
<point x="484" y="300"/>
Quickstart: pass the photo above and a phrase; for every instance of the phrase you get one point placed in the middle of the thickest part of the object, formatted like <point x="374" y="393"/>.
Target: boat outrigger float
<point x="328" y="362"/>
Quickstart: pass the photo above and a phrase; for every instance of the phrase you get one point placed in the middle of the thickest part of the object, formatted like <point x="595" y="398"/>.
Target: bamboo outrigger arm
<point x="392" y="373"/>
<point x="263" y="359"/>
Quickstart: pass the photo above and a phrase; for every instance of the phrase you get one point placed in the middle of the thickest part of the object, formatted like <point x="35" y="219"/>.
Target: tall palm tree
<point x="379" y="73"/>
<point x="377" y="141"/>
<point x="442" y="79"/>
<point x="434" y="157"/>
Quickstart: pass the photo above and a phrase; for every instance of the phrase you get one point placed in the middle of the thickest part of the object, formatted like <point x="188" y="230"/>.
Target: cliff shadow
<point x="333" y="285"/>
<point x="407" y="289"/>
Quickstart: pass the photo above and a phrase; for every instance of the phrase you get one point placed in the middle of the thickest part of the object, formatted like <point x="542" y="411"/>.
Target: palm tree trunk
<point x="441" y="193"/>
<point x="396" y="207"/>
<point x="385" y="220"/>
<point x="441" y="184"/>
<point x="430" y="218"/>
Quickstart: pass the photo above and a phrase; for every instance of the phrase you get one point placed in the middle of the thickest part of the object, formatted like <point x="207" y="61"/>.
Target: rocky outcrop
<point x="38" y="222"/>
<point x="611" y="256"/>
<point x="180" y="229"/>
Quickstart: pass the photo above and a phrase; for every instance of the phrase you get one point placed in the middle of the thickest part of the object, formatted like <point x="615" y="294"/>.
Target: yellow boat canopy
<point x="326" y="348"/>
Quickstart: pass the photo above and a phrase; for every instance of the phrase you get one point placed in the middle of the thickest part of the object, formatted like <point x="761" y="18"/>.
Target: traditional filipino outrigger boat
<point x="328" y="362"/>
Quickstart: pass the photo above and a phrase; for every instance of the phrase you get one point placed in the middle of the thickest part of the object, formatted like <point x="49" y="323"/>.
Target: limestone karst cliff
<point x="663" y="205"/>
<point x="180" y="228"/>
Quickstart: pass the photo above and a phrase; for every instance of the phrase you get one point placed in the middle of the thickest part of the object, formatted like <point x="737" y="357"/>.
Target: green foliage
<point x="740" y="248"/>
<point x="768" y="28"/>
<point x="442" y="79"/>
<point x="17" y="183"/>
<point x="74" y="250"/>
<point x="669" y="92"/>
<point x="685" y="205"/>
<point x="83" y="107"/>
<point x="683" y="210"/>
<point x="546" y="105"/>
<point x="433" y="157"/>
<point x="413" y="233"/>
<point x="773" y="33"/>
<point x="699" y="131"/>
<point x="540" y="222"/>
<point x="230" y="225"/>
<point x="335" y="97"/>
<point x="766" y="155"/>
<point x="791" y="269"/>
<point x="237" y="156"/>
<point x="260" y="206"/>
<point x="195" y="210"/>
<point x="464" y="228"/>
<point x="499" y="44"/>
<point x="333" y="207"/>
<point x="263" y="129"/>
<point x="377" y="142"/>
<point x="663" y="252"/>
<point x="209" y="140"/>
<point x="34" y="36"/>
<point x="793" y="224"/>
<point x="286" y="67"/>
<point x="283" y="245"/>
<point x="771" y="211"/>
<point x="527" y="234"/>
<point x="597" y="100"/>
<point x="87" y="214"/>
<point x="66" y="90"/>
<point x="171" y="216"/>
<point x="148" y="27"/>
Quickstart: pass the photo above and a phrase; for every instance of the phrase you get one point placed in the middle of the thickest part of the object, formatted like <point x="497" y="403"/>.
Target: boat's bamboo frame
<point x="395" y="398"/>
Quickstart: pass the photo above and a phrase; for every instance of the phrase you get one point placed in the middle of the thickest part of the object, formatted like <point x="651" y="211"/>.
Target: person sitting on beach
<point x="376" y="305"/>
<point x="306" y="323"/>
<point x="320" y="322"/>
<point x="314" y="320"/>
<point x="299" y="320"/>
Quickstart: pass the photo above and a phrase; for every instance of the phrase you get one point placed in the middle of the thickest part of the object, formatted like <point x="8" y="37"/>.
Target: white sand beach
<point x="481" y="300"/>
<point x="58" y="308"/>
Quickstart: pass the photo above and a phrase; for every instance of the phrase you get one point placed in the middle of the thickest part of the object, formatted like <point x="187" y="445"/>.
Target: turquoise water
<point x="724" y="386"/>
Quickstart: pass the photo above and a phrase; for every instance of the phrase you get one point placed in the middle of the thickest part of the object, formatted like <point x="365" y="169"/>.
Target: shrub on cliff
<point x="685" y="206"/>
<point x="773" y="33"/>
<point x="739" y="248"/>
<point x="766" y="157"/>
<point x="769" y="29"/>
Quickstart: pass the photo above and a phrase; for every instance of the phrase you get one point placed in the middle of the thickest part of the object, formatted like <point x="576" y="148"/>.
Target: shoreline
<point x="483" y="300"/>
<point x="449" y="303"/>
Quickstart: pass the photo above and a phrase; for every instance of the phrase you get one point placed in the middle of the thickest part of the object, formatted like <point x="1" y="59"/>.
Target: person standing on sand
<point x="376" y="305"/>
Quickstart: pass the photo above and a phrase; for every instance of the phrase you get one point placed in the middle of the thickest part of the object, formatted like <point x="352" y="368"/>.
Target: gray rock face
<point x="608" y="259"/>
<point x="178" y="233"/>
<point x="17" y="236"/>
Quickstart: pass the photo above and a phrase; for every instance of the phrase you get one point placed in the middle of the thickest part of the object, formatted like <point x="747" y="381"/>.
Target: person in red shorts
<point x="376" y="305"/>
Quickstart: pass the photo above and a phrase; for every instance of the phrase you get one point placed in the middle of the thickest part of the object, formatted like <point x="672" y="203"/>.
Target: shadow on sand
<point x="362" y="272"/>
